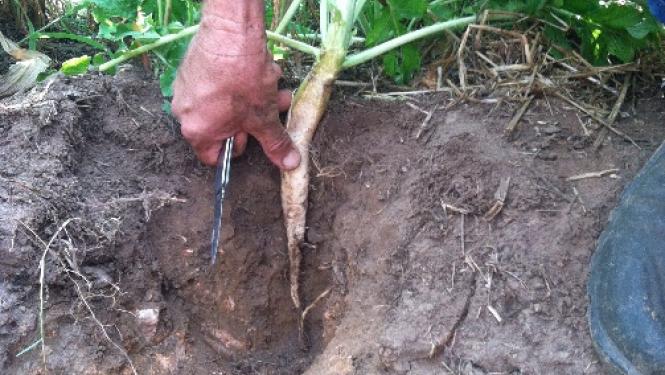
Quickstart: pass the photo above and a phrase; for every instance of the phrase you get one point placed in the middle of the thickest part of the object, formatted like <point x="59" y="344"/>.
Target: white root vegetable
<point x="307" y="109"/>
<point x="310" y="103"/>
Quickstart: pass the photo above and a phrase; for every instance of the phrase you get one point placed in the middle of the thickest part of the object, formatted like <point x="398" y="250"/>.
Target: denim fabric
<point x="657" y="8"/>
<point x="626" y="284"/>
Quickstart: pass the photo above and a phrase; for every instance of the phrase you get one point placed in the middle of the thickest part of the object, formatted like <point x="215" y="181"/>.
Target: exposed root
<point x="306" y="311"/>
<point x="308" y="107"/>
<point x="42" y="272"/>
<point x="79" y="290"/>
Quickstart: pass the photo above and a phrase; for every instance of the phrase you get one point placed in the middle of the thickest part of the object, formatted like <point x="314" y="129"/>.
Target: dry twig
<point x="499" y="199"/>
<point x="599" y="174"/>
<point x="512" y="125"/>
<point x="596" y="118"/>
<point x="613" y="115"/>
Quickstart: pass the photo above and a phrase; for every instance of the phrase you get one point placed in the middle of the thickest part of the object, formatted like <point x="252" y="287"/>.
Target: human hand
<point x="227" y="86"/>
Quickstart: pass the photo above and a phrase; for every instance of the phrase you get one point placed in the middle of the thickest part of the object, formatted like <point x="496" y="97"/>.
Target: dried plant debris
<point x="24" y="73"/>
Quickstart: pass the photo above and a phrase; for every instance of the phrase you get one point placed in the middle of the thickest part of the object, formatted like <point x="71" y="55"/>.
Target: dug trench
<point x="415" y="265"/>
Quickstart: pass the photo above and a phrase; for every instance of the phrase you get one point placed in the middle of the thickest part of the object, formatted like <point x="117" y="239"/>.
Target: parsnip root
<point x="309" y="105"/>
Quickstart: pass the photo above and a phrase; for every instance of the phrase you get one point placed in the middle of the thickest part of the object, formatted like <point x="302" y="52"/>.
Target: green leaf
<point x="520" y="6"/>
<point x="78" y="38"/>
<point x="117" y="32"/>
<point x="557" y="37"/>
<point x="166" y="107"/>
<point x="592" y="46"/>
<point x="584" y="7"/>
<point x="108" y="9"/>
<point x="381" y="29"/>
<point x="621" y="48"/>
<point x="98" y="59"/>
<point x="527" y="6"/>
<point x="401" y="65"/>
<point x="442" y="12"/>
<point x="617" y="16"/>
<point x="642" y="29"/>
<point x="411" y="61"/>
<point x="391" y="64"/>
<point x="408" y="8"/>
<point x="166" y="81"/>
<point x="76" y="66"/>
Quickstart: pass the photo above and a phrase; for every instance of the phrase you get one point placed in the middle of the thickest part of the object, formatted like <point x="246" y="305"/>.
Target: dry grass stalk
<point x="615" y="112"/>
<point x="512" y="125"/>
<point x="508" y="66"/>
<point x="597" y="118"/>
<point x="583" y="176"/>
<point x="499" y="199"/>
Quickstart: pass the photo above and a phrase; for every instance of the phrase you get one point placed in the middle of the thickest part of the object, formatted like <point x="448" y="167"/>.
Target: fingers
<point x="284" y="100"/>
<point x="240" y="144"/>
<point x="208" y="155"/>
<point x="205" y="145"/>
<point x="277" y="145"/>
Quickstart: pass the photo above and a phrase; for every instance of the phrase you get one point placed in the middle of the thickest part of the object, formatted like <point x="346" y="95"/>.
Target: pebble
<point x="551" y="129"/>
<point x="148" y="319"/>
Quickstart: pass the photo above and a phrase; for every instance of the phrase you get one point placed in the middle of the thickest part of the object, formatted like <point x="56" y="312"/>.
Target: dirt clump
<point x="422" y="279"/>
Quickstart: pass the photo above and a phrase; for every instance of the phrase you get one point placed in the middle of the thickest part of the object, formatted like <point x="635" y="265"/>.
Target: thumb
<point x="284" y="100"/>
<point x="277" y="145"/>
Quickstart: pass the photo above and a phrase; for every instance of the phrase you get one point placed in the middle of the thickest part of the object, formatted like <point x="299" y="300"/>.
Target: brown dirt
<point x="413" y="286"/>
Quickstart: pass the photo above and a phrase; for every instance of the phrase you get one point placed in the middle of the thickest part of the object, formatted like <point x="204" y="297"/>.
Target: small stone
<point x="551" y="129"/>
<point x="147" y="319"/>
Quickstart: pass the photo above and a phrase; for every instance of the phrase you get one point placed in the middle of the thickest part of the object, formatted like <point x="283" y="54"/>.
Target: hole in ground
<point x="238" y="310"/>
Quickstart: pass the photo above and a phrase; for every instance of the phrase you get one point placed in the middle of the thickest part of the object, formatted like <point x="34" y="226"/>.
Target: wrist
<point x="233" y="27"/>
<point x="238" y="11"/>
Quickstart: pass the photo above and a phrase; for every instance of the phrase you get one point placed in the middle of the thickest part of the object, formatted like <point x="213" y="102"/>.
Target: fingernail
<point x="292" y="160"/>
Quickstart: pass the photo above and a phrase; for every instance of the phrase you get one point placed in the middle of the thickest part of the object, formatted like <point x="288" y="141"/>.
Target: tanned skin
<point x="227" y="86"/>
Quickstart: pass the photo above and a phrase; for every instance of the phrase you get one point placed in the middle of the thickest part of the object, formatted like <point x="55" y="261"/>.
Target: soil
<point x="421" y="279"/>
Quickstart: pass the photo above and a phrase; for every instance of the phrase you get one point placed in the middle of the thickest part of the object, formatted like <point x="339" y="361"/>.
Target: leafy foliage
<point x="122" y="25"/>
<point x="131" y="23"/>
<point x="382" y="21"/>
<point x="603" y="31"/>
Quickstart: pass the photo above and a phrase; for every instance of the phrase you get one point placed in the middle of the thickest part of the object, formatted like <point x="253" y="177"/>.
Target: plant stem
<point x="160" y="11"/>
<point x="295" y="44"/>
<point x="323" y="19"/>
<point x="354" y="39"/>
<point x="290" y="12"/>
<point x="360" y="4"/>
<point x="382" y="48"/>
<point x="565" y="13"/>
<point x="190" y="31"/>
<point x="167" y="13"/>
<point x="184" y="33"/>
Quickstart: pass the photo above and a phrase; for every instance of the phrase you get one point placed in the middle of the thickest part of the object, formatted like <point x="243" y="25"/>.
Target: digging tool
<point x="221" y="182"/>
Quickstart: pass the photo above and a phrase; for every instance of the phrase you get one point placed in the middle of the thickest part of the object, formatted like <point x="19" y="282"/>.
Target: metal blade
<point x="221" y="182"/>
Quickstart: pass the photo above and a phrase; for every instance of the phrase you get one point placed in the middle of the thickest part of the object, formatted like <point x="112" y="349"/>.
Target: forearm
<point x="233" y="27"/>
